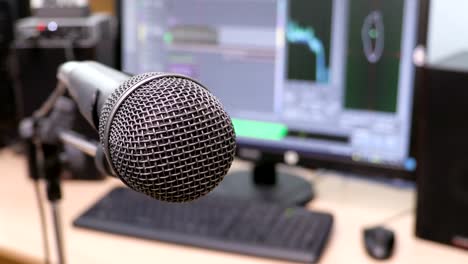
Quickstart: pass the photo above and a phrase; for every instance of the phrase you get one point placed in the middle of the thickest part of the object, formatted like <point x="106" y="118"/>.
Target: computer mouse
<point x="379" y="242"/>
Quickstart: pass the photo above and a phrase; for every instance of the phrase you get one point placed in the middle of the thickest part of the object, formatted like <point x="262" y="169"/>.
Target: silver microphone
<point x="164" y="135"/>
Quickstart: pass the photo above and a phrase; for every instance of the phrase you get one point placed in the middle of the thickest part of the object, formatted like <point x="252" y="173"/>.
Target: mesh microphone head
<point x="167" y="136"/>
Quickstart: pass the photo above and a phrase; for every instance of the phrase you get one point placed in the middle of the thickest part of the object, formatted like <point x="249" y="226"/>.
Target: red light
<point x="41" y="27"/>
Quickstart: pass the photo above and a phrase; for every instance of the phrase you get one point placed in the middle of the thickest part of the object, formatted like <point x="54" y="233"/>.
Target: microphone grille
<point x="169" y="138"/>
<point x="111" y="102"/>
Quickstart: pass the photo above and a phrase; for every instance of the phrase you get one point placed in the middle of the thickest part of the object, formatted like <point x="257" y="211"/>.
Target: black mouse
<point x="379" y="242"/>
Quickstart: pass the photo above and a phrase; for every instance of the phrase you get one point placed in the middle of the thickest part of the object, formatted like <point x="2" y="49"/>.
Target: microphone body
<point x="164" y="135"/>
<point x="90" y="84"/>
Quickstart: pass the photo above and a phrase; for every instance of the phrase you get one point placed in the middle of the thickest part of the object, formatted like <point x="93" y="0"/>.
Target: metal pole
<point x="58" y="231"/>
<point x="80" y="143"/>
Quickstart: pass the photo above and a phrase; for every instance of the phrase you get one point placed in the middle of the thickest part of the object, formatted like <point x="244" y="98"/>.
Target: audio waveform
<point x="298" y="35"/>
<point x="373" y="38"/>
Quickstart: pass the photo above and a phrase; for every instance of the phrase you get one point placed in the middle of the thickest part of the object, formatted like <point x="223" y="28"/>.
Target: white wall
<point x="448" y="29"/>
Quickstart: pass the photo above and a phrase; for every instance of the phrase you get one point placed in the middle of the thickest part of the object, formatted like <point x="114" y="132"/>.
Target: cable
<point x="39" y="157"/>
<point x="70" y="49"/>
<point x="40" y="206"/>
<point x="395" y="216"/>
<point x="319" y="175"/>
<point x="49" y="104"/>
<point x="58" y="232"/>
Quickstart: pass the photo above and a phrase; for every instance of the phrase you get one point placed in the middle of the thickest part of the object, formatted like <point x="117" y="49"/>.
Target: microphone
<point x="89" y="84"/>
<point x="164" y="135"/>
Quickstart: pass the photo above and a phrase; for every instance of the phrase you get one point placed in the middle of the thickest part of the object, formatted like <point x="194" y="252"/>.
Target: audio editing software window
<point x="323" y="76"/>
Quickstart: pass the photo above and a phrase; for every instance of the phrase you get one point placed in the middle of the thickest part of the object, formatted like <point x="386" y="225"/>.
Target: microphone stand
<point x="45" y="133"/>
<point x="52" y="171"/>
<point x="49" y="128"/>
<point x="89" y="148"/>
<point x="27" y="131"/>
<point x="79" y="142"/>
<point x="40" y="133"/>
<point x="44" y="162"/>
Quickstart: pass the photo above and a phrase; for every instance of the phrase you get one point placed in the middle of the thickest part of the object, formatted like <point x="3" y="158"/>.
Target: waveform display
<point x="296" y="34"/>
<point x="373" y="56"/>
<point x="373" y="36"/>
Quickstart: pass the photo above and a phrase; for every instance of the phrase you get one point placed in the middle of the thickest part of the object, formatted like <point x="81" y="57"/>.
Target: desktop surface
<point x="355" y="204"/>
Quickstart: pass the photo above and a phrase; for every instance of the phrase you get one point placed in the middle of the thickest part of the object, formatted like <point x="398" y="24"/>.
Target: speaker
<point x="39" y="51"/>
<point x="442" y="202"/>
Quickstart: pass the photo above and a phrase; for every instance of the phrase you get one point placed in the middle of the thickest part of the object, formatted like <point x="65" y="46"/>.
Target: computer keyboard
<point x="214" y="222"/>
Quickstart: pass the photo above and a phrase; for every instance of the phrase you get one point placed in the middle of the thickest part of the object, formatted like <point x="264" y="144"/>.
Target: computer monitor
<point x="325" y="83"/>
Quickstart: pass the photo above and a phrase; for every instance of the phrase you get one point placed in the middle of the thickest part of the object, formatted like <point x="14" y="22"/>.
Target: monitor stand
<point x="267" y="185"/>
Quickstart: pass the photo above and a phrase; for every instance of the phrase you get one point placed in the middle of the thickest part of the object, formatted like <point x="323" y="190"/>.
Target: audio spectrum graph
<point x="297" y="35"/>
<point x="307" y="37"/>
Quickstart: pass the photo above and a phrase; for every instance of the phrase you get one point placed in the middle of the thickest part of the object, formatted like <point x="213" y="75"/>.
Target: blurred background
<point x="355" y="108"/>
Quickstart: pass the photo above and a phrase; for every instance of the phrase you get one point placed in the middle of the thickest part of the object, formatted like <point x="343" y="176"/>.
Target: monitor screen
<point x="329" y="79"/>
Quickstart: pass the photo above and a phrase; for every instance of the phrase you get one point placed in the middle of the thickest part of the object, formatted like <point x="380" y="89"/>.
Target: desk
<point x="354" y="203"/>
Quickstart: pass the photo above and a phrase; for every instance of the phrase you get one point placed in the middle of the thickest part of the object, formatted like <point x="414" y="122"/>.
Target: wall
<point x="448" y="29"/>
